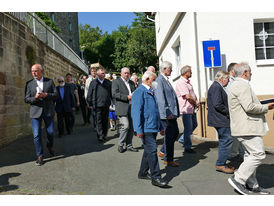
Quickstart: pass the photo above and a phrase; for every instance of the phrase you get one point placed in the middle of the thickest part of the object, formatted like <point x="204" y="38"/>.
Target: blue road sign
<point x="212" y="53"/>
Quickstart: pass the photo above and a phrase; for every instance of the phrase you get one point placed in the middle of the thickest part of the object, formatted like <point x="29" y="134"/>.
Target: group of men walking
<point x="154" y="107"/>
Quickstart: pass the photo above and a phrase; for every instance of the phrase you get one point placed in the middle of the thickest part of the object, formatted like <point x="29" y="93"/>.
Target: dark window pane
<point x="258" y="27"/>
<point x="258" y="42"/>
<point x="270" y="40"/>
<point x="270" y="53"/>
<point x="259" y="54"/>
<point x="269" y="27"/>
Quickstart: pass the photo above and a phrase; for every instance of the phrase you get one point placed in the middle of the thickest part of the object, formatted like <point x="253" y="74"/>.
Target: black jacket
<point x="99" y="95"/>
<point x="67" y="103"/>
<point x="218" y="113"/>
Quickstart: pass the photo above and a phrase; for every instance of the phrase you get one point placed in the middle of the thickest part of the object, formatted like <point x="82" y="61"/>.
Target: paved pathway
<point x="82" y="166"/>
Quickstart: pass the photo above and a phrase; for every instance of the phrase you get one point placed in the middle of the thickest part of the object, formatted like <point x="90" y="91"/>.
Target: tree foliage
<point x="131" y="46"/>
<point x="47" y="20"/>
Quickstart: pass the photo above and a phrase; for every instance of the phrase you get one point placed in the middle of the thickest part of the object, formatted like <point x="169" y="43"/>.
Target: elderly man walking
<point x="146" y="123"/>
<point x="169" y="112"/>
<point x="188" y="103"/>
<point x="248" y="125"/>
<point x="40" y="93"/>
<point x="122" y="89"/>
<point x="218" y="117"/>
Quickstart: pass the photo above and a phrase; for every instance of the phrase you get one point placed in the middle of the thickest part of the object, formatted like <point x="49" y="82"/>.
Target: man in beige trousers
<point x="248" y="125"/>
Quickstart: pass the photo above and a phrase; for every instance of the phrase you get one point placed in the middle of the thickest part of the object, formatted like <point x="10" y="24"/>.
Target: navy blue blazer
<point x="218" y="112"/>
<point x="67" y="103"/>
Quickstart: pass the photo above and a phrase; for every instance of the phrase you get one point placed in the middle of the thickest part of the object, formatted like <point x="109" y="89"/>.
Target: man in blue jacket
<point x="218" y="117"/>
<point x="146" y="123"/>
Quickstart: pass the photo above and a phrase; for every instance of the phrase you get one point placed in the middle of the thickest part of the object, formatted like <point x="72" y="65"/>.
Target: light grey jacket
<point x="246" y="112"/>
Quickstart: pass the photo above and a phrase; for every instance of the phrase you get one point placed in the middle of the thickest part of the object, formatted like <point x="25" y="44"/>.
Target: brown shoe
<point x="160" y="154"/>
<point x="172" y="164"/>
<point x="225" y="169"/>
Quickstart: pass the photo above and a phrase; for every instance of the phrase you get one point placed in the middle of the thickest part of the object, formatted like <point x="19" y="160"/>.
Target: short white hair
<point x="124" y="68"/>
<point x="185" y="69"/>
<point x="221" y="74"/>
<point x="60" y="78"/>
<point x="151" y="68"/>
<point x="240" y="68"/>
<point x="165" y="65"/>
<point x="148" y="74"/>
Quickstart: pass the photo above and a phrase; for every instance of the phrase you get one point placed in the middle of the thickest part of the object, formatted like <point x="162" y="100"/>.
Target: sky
<point x="106" y="21"/>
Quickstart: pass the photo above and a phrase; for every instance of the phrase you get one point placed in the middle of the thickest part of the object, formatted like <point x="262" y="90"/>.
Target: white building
<point x="244" y="37"/>
<point x="247" y="37"/>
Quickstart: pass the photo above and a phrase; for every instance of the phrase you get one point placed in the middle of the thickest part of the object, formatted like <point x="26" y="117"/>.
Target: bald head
<point x="37" y="71"/>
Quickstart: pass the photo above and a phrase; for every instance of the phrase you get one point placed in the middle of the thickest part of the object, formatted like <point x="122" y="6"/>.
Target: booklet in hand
<point x="267" y="101"/>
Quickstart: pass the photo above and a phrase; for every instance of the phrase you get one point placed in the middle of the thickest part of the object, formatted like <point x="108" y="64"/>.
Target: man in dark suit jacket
<point x="122" y="89"/>
<point x="218" y="117"/>
<point x="99" y="99"/>
<point x="65" y="103"/>
<point x="40" y="93"/>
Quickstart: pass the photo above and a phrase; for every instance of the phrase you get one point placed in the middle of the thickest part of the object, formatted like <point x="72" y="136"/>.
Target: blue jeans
<point x="190" y="124"/>
<point x="225" y="144"/>
<point x="37" y="132"/>
<point x="172" y="131"/>
<point x="150" y="158"/>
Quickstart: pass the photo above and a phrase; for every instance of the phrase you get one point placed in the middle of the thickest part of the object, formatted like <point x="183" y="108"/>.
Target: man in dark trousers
<point x="65" y="104"/>
<point x="40" y="93"/>
<point x="99" y="99"/>
<point x="83" y="103"/>
<point x="218" y="117"/>
<point x="122" y="89"/>
<point x="147" y="123"/>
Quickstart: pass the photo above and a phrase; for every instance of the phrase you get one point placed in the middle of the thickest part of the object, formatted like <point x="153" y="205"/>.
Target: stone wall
<point x="19" y="50"/>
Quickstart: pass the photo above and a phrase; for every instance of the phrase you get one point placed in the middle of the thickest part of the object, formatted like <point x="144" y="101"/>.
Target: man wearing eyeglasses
<point x="65" y="104"/>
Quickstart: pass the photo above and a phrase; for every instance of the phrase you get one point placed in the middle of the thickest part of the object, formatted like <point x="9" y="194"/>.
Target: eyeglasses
<point x="60" y="81"/>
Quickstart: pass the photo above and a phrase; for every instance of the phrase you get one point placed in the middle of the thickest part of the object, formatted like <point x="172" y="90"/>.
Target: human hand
<point x="162" y="132"/>
<point x="37" y="95"/>
<point x="129" y="97"/>
<point x="270" y="106"/>
<point x="140" y="135"/>
<point x="43" y="95"/>
<point x="170" y="117"/>
<point x="73" y="108"/>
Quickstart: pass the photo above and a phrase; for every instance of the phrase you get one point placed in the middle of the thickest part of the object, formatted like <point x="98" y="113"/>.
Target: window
<point x="70" y="27"/>
<point x="264" y="40"/>
<point x="52" y="16"/>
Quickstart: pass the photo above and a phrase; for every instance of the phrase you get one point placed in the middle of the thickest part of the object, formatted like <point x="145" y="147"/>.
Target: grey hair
<point x="185" y="69"/>
<point x="148" y="74"/>
<point x="124" y="68"/>
<point x="59" y="78"/>
<point x="150" y="68"/>
<point x="240" y="68"/>
<point x="220" y="75"/>
<point x="165" y="65"/>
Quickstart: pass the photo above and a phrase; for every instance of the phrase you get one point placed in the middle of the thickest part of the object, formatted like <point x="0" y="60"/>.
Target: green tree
<point x="45" y="18"/>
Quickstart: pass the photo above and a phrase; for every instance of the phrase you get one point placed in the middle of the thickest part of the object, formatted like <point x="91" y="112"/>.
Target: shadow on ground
<point x="4" y="182"/>
<point x="188" y="161"/>
<point x="83" y="140"/>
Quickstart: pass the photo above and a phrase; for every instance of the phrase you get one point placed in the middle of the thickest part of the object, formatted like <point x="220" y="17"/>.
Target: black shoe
<point x="51" y="151"/>
<point x="121" y="149"/>
<point x="191" y="151"/>
<point x="145" y="177"/>
<point x="132" y="149"/>
<point x="258" y="190"/>
<point x="159" y="183"/>
<point x="238" y="186"/>
<point x="39" y="161"/>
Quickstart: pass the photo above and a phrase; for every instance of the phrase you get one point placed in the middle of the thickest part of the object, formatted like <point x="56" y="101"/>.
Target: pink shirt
<point x="183" y="88"/>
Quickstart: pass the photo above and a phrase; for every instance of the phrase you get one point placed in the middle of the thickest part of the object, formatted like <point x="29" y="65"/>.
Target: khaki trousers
<point x="254" y="154"/>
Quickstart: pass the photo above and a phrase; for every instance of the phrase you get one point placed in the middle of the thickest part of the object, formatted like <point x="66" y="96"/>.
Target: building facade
<point x="67" y="22"/>
<point x="247" y="37"/>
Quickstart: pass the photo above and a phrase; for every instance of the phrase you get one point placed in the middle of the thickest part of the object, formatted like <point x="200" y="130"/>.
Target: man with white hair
<point x="151" y="69"/>
<point x="40" y="93"/>
<point x="122" y="90"/>
<point x="188" y="103"/>
<point x="146" y="123"/>
<point x="169" y="112"/>
<point x="248" y="125"/>
<point x="218" y="117"/>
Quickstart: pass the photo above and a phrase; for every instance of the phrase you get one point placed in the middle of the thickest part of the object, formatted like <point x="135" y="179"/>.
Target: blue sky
<point x="107" y="21"/>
